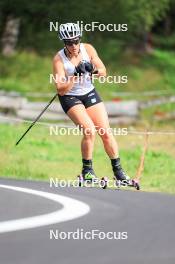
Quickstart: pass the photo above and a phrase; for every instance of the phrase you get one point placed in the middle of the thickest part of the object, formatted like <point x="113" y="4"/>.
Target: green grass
<point x="25" y="72"/>
<point x="40" y="157"/>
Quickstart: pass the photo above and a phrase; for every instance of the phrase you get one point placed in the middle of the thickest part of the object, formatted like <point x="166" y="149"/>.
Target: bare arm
<point x="95" y="60"/>
<point x="62" y="85"/>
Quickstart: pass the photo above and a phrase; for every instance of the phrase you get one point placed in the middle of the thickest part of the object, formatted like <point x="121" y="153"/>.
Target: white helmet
<point x="69" y="31"/>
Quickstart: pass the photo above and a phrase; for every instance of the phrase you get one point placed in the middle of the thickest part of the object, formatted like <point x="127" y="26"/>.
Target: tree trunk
<point x="167" y="26"/>
<point x="10" y="36"/>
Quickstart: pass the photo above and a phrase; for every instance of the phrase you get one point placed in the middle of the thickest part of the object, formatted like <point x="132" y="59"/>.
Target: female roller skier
<point x="75" y="64"/>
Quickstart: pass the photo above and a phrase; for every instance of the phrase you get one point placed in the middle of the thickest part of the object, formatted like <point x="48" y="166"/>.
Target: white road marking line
<point x="72" y="209"/>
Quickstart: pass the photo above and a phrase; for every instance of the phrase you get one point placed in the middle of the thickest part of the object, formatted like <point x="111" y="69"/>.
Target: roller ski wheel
<point x="135" y="184"/>
<point x="104" y="182"/>
<point x="128" y="183"/>
<point x="89" y="180"/>
<point x="80" y="180"/>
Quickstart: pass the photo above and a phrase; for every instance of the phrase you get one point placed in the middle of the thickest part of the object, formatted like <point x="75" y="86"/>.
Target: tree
<point x="140" y="16"/>
<point x="10" y="36"/>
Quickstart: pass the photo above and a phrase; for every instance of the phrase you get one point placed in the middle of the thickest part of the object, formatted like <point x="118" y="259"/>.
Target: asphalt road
<point x="145" y="221"/>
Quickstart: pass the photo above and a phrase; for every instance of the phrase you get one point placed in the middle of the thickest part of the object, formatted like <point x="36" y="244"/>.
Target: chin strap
<point x="66" y="49"/>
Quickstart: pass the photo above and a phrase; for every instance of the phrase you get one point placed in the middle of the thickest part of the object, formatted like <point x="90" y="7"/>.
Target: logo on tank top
<point x="93" y="100"/>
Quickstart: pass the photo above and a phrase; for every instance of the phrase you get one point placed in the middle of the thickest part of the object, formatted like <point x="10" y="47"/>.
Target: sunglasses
<point x="71" y="42"/>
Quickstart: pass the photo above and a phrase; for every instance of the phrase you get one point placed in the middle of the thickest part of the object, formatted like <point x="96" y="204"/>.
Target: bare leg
<point x="80" y="117"/>
<point x="99" y="117"/>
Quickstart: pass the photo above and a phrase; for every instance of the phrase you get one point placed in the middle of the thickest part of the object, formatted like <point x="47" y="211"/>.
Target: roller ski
<point x="121" y="178"/>
<point x="128" y="183"/>
<point x="88" y="179"/>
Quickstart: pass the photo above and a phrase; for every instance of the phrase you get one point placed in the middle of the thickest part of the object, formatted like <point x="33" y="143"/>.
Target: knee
<point x="89" y="133"/>
<point x="106" y="136"/>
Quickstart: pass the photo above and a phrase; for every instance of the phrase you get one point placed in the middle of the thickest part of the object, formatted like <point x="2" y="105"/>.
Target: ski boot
<point x="88" y="176"/>
<point x="124" y="180"/>
<point x="121" y="178"/>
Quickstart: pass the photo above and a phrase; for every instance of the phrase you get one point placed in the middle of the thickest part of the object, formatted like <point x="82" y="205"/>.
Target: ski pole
<point x="38" y="117"/>
<point x="142" y="159"/>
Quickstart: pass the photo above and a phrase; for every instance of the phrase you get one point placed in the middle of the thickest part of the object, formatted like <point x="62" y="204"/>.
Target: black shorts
<point x="89" y="99"/>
